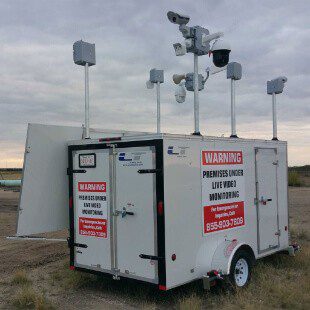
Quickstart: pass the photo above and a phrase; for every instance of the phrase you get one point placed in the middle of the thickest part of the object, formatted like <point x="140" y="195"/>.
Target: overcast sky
<point x="39" y="82"/>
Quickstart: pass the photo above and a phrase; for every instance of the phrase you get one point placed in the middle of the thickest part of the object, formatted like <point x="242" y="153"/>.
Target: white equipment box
<point x="168" y="209"/>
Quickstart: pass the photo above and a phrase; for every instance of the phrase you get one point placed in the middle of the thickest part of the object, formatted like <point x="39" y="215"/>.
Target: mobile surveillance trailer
<point x="160" y="208"/>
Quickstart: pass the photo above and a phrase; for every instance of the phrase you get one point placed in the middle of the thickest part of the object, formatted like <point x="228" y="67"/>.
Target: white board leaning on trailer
<point x="44" y="193"/>
<point x="43" y="205"/>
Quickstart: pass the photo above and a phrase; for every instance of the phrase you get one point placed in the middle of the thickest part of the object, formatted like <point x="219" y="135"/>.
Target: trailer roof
<point x="153" y="136"/>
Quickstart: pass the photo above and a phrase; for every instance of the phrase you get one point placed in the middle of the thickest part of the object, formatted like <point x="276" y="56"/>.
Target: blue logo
<point x="121" y="157"/>
<point x="170" y="151"/>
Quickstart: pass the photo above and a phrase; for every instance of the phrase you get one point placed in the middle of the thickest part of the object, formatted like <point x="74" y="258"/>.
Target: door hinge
<point x="149" y="171"/>
<point x="276" y="162"/>
<point x="151" y="257"/>
<point x="71" y="171"/>
<point x="278" y="233"/>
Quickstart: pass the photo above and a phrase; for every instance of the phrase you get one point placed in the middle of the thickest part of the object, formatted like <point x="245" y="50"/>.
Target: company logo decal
<point x="122" y="157"/>
<point x="170" y="151"/>
<point x="178" y="151"/>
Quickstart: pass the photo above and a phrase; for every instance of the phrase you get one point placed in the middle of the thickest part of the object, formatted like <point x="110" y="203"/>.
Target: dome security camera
<point x="176" y="18"/>
<point x="180" y="92"/>
<point x="220" y="51"/>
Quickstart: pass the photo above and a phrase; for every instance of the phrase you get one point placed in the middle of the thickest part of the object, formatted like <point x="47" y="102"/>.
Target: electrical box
<point x="189" y="82"/>
<point x="275" y="86"/>
<point x="84" y="53"/>
<point x="157" y="76"/>
<point x="234" y="71"/>
<point x="199" y="47"/>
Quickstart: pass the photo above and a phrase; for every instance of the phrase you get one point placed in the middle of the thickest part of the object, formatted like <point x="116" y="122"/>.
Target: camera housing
<point x="220" y="52"/>
<point x="180" y="49"/>
<point x="177" y="18"/>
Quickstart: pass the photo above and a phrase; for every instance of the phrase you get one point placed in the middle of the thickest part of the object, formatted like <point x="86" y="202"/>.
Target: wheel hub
<point x="241" y="272"/>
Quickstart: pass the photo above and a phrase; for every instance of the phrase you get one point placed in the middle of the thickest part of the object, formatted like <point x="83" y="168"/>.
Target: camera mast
<point x="197" y="41"/>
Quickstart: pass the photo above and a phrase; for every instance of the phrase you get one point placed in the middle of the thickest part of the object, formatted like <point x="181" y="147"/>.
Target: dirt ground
<point x="41" y="268"/>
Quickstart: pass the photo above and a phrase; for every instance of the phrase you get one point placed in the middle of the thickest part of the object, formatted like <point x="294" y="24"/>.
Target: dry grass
<point x="69" y="279"/>
<point x="27" y="298"/>
<point x="294" y="179"/>
<point x="10" y="175"/>
<point x="278" y="281"/>
<point x="193" y="302"/>
<point x="20" y="278"/>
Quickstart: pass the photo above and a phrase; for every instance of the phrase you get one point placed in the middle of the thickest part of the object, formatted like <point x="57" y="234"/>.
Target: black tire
<point x="238" y="267"/>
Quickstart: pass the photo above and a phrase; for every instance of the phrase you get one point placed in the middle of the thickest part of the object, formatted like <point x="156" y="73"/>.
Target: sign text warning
<point x="222" y="182"/>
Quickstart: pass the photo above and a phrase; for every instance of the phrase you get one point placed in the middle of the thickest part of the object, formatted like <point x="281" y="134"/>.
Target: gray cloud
<point x="40" y="83"/>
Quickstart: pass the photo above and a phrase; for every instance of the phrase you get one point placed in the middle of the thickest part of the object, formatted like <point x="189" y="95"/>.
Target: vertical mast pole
<point x="196" y="96"/>
<point x="86" y="102"/>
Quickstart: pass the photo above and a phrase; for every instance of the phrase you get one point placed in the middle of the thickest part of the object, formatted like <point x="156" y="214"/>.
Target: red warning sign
<point x="92" y="209"/>
<point x="222" y="189"/>
<point x="93" y="227"/>
<point x="221" y="158"/>
<point x="92" y="186"/>
<point x="223" y="216"/>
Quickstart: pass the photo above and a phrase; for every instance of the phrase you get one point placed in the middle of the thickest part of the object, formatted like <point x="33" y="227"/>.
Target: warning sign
<point x="92" y="209"/>
<point x="222" y="182"/>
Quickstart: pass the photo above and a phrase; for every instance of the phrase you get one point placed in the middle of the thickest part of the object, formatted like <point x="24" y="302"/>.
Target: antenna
<point x="84" y="55"/>
<point x="234" y="72"/>
<point x="156" y="77"/>
<point x="274" y="87"/>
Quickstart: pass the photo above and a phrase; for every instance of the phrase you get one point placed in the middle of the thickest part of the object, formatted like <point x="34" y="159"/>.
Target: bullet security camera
<point x="220" y="51"/>
<point x="176" y="18"/>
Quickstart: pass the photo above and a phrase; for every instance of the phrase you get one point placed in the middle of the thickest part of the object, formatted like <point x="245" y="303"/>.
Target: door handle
<point x="264" y="201"/>
<point x="125" y="212"/>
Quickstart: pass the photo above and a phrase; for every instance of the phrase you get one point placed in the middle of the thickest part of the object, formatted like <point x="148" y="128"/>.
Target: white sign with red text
<point x="92" y="209"/>
<point x="222" y="189"/>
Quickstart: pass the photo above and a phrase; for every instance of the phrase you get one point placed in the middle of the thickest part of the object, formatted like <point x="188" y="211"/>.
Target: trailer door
<point x="91" y="192"/>
<point x="135" y="219"/>
<point x="267" y="199"/>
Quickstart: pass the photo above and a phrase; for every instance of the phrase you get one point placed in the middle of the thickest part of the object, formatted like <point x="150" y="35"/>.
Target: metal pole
<point x="86" y="102"/>
<point x="274" y="117"/>
<point x="196" y="98"/>
<point x="158" y="106"/>
<point x="233" y="109"/>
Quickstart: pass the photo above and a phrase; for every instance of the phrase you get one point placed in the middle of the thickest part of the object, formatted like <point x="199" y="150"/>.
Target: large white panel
<point x="43" y="203"/>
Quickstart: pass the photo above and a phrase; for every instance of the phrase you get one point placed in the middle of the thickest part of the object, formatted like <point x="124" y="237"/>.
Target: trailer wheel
<point x="241" y="269"/>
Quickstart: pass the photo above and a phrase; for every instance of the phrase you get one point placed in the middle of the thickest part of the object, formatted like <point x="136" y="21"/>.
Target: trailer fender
<point x="224" y="254"/>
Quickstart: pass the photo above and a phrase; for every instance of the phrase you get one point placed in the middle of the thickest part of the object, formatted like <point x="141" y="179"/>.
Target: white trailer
<point x="161" y="208"/>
